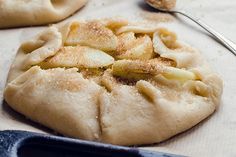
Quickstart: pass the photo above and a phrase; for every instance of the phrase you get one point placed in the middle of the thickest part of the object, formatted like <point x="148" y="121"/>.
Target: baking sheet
<point x="215" y="136"/>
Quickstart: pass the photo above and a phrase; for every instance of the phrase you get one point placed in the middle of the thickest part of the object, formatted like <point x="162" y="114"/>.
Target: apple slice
<point x="92" y="34"/>
<point x="79" y="56"/>
<point x="138" y="70"/>
<point x="130" y="47"/>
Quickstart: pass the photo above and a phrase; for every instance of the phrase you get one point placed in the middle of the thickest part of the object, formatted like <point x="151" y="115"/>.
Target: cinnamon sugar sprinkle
<point x="154" y="17"/>
<point x="163" y="4"/>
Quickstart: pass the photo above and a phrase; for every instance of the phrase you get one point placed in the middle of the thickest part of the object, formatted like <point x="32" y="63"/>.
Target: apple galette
<point x="112" y="81"/>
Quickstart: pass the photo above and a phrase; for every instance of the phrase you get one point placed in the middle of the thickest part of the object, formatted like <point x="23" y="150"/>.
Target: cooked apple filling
<point x="129" y="52"/>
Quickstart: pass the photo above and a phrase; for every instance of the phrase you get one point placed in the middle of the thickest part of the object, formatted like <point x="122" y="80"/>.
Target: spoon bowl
<point x="162" y="5"/>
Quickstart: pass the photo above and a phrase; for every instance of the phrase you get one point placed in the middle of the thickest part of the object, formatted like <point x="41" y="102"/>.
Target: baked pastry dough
<point x="15" y="13"/>
<point x="112" y="81"/>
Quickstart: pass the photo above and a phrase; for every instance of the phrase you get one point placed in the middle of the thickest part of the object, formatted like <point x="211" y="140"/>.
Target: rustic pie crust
<point x="112" y="81"/>
<point x="15" y="13"/>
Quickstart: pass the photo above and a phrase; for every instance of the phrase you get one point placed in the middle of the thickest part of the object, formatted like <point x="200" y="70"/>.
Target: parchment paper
<point x="216" y="136"/>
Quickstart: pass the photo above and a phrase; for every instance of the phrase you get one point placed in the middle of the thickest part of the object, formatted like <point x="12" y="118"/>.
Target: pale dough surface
<point x="216" y="130"/>
<point x="15" y="13"/>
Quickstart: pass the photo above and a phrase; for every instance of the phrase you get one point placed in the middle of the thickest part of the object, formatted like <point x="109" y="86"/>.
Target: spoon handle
<point x="223" y="40"/>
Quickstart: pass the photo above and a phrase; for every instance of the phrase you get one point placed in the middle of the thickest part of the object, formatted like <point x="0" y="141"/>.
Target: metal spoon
<point x="224" y="41"/>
